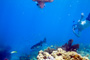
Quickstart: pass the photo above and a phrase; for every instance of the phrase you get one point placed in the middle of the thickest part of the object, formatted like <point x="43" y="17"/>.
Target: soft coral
<point x="69" y="47"/>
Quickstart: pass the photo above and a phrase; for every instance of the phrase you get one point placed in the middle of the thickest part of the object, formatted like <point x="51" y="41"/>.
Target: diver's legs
<point x="77" y="34"/>
<point x="88" y="18"/>
<point x="74" y="26"/>
<point x="74" y="30"/>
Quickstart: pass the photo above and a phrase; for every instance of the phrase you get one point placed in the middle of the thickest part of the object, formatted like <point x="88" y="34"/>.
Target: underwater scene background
<point x="23" y="24"/>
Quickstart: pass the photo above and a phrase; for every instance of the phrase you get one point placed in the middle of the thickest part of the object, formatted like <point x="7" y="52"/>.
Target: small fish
<point x="13" y="52"/>
<point x="84" y="48"/>
<point x="51" y="45"/>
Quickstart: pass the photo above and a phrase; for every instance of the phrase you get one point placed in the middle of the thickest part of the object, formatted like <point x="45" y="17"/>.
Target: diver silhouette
<point x="81" y="25"/>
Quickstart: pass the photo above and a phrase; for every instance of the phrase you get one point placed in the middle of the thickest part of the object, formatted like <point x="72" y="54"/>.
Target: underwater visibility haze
<point x="28" y="26"/>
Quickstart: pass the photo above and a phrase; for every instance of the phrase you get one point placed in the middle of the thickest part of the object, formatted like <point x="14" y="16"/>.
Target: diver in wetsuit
<point x="81" y="25"/>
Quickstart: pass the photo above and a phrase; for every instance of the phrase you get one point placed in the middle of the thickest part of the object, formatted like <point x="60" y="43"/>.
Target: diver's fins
<point x="88" y="18"/>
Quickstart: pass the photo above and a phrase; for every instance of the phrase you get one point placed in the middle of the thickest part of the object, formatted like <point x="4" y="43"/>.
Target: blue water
<point x="23" y="24"/>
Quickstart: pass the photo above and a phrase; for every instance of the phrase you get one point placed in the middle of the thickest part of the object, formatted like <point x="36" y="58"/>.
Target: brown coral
<point x="69" y="47"/>
<point x="49" y="50"/>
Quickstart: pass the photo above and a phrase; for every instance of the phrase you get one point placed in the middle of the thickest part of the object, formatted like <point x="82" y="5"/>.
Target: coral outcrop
<point x="60" y="54"/>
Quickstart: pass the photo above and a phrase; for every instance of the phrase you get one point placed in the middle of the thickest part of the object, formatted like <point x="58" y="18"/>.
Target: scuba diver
<point x="41" y="3"/>
<point x="81" y="25"/>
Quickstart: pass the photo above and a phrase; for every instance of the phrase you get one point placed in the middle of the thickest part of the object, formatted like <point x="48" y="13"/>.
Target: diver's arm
<point x="82" y="16"/>
<point x="77" y="34"/>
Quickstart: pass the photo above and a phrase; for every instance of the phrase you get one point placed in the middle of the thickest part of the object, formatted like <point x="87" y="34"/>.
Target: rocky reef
<point x="60" y="54"/>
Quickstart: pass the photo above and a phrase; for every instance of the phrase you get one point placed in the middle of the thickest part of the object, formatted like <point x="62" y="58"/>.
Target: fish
<point x="41" y="3"/>
<point x="39" y="44"/>
<point x="51" y="45"/>
<point x="12" y="52"/>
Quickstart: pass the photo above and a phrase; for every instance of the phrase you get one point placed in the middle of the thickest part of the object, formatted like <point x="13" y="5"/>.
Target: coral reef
<point x="49" y="50"/>
<point x="69" y="47"/>
<point x="84" y="50"/>
<point x="60" y="54"/>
